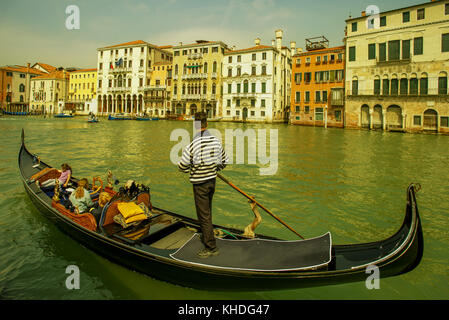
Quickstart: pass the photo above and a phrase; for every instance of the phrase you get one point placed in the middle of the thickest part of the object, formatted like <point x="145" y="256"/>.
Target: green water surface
<point x="351" y="183"/>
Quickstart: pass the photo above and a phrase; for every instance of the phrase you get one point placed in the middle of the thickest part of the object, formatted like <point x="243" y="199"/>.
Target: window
<point x="385" y="87"/>
<point x="253" y="70"/>
<point x="382" y="52"/>
<point x="377" y="86"/>
<point x="230" y="72"/>
<point x="405" y="49"/>
<point x="264" y="87"/>
<point x="393" y="50"/>
<point x="307" y="97"/>
<point x="404" y="86"/>
<point x="442" y="85"/>
<point x="317" y="96"/>
<point x="230" y="59"/>
<point x="319" y="114"/>
<point x="418" y="46"/>
<point x="444" y="122"/>
<point x="417" y="120"/>
<point x="372" y="51"/>
<point x="307" y="77"/>
<point x="421" y="14"/>
<point x="445" y="42"/>
<point x="297" y="109"/>
<point x="298" y="78"/>
<point x="214" y="49"/>
<point x="338" y="115"/>
<point x="306" y="109"/>
<point x="446" y="9"/>
<point x="245" y="86"/>
<point x="423" y="86"/>
<point x="239" y="58"/>
<point x="254" y="57"/>
<point x="354" y="27"/>
<point x="351" y="53"/>
<point x="229" y="88"/>
<point x="237" y="103"/>
<point x="355" y="87"/>
<point x="264" y="70"/>
<point x="324" y="96"/>
<point x="394" y="87"/>
<point x="262" y="113"/>
<point x="205" y="50"/>
<point x="264" y="56"/>
<point x="383" y="21"/>
<point x="253" y="103"/>
<point x="253" y="87"/>
<point x="238" y="87"/>
<point x="298" y="96"/>
<point x="406" y="16"/>
<point x="414" y="86"/>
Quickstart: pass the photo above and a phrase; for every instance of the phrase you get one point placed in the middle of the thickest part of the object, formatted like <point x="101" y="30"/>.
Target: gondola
<point x="164" y="246"/>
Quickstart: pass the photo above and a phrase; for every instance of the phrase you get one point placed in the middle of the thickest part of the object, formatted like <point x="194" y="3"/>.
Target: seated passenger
<point x="64" y="178"/>
<point x="80" y="198"/>
<point x="98" y="207"/>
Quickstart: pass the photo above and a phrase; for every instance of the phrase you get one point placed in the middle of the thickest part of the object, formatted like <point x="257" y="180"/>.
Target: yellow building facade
<point x="82" y="91"/>
<point x="158" y="90"/>
<point x="197" y="78"/>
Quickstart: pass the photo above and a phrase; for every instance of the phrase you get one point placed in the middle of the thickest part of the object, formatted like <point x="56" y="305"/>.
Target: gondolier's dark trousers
<point x="203" y="194"/>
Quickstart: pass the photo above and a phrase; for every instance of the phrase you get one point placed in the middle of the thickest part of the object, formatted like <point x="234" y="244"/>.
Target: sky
<point x="35" y="31"/>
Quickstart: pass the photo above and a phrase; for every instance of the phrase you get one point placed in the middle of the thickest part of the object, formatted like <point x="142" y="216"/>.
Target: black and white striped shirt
<point x="203" y="158"/>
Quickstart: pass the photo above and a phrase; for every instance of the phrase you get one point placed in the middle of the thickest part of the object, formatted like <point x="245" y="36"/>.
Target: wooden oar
<point x="261" y="206"/>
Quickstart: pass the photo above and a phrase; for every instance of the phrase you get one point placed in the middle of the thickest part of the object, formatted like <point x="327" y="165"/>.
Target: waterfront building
<point x="15" y="87"/>
<point x="48" y="92"/>
<point x="45" y="68"/>
<point x="197" y="74"/>
<point x="82" y="96"/>
<point x="158" y="93"/>
<point x="255" y="83"/>
<point x="318" y="84"/>
<point x="397" y="69"/>
<point x="124" y="74"/>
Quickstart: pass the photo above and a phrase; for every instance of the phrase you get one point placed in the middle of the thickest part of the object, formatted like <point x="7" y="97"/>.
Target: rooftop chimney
<point x="293" y="47"/>
<point x="298" y="50"/>
<point x="279" y="39"/>
<point x="257" y="41"/>
<point x="180" y="43"/>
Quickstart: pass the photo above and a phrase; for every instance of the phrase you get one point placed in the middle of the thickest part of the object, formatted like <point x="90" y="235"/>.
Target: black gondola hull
<point x="158" y="264"/>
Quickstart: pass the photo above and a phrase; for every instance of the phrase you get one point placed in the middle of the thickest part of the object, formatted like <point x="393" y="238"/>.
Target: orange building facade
<point x="318" y="83"/>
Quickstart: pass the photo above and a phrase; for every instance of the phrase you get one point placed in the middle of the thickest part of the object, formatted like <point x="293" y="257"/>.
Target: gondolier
<point x="203" y="158"/>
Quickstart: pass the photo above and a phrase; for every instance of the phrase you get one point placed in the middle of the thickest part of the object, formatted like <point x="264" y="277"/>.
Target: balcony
<point x="194" y="76"/>
<point x="120" y="70"/>
<point x="159" y="87"/>
<point x="392" y="62"/>
<point x="193" y="96"/>
<point x="118" y="89"/>
<point x="214" y="75"/>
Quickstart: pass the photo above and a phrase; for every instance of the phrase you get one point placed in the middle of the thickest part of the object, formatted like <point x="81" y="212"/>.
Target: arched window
<point x="423" y="84"/>
<point x="214" y="88"/>
<point x="214" y="67"/>
<point x="245" y="86"/>
<point x="176" y="69"/>
<point x="119" y="82"/>
<point x="183" y="89"/>
<point x="205" y="67"/>
<point x="22" y="87"/>
<point x="185" y="69"/>
<point x="205" y="89"/>
<point x="442" y="83"/>
<point x="414" y="84"/>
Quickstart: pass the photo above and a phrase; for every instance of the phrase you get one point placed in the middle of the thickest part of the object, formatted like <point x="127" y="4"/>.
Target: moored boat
<point x="119" y="116"/>
<point x="164" y="245"/>
<point x="63" y="115"/>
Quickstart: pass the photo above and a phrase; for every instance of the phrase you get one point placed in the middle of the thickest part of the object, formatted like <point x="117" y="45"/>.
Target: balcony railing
<point x="156" y="87"/>
<point x="195" y="56"/>
<point x="194" y="76"/>
<point x="120" y="69"/>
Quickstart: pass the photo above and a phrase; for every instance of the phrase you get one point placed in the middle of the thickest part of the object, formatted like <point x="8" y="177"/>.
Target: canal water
<point x="351" y="183"/>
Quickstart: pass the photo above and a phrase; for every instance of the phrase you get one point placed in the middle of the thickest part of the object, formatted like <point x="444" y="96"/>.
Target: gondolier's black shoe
<point x="205" y="253"/>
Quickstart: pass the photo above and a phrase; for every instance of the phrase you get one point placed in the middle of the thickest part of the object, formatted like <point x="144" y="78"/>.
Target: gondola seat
<point x="46" y="174"/>
<point x="86" y="220"/>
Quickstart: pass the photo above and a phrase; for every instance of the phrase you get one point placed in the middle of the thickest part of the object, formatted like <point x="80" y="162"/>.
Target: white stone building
<point x="257" y="83"/>
<point x="124" y="74"/>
